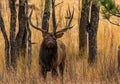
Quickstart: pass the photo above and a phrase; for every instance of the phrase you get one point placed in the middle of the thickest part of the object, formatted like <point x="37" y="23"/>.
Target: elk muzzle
<point x="51" y="44"/>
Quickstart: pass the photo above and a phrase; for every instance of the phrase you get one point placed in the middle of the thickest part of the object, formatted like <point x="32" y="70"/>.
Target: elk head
<point x="49" y="38"/>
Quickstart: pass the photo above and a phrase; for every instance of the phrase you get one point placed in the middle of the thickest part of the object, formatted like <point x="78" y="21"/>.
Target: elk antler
<point x="68" y="18"/>
<point x="37" y="28"/>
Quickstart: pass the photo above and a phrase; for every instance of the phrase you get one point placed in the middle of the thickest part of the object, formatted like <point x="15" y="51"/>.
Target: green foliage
<point x="108" y="3"/>
<point x="109" y="8"/>
<point x="106" y="15"/>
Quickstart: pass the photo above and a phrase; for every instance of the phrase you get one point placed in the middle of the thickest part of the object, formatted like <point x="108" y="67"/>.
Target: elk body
<point x="52" y="51"/>
<point x="52" y="55"/>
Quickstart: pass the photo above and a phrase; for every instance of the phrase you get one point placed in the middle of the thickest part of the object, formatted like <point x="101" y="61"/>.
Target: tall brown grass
<point x="77" y="70"/>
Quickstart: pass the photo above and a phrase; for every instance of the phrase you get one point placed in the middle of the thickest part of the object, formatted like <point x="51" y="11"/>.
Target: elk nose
<point x="50" y="45"/>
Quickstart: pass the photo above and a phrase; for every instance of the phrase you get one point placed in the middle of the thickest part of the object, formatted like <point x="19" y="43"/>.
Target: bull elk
<point x="52" y="51"/>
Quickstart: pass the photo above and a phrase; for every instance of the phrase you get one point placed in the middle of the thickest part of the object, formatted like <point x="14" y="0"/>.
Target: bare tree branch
<point x="114" y="14"/>
<point x="59" y="4"/>
<point x="117" y="24"/>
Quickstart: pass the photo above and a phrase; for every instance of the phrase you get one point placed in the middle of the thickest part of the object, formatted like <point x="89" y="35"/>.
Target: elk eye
<point x="54" y="37"/>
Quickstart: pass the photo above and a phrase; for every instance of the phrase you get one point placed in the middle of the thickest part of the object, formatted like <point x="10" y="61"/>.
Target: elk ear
<point x="59" y="35"/>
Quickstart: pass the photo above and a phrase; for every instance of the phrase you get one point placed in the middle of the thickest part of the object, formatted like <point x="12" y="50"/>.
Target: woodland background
<point x="77" y="70"/>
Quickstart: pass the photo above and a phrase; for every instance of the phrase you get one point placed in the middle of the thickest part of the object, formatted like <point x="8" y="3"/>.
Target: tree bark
<point x="119" y="58"/>
<point x="24" y="43"/>
<point x="7" y="62"/>
<point x="21" y="36"/>
<point x="93" y="28"/>
<point x="46" y="15"/>
<point x="54" y="16"/>
<point x="29" y="38"/>
<point x="12" y="33"/>
<point x="83" y="22"/>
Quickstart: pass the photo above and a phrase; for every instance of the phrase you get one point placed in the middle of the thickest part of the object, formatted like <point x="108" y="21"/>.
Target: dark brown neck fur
<point x="48" y="55"/>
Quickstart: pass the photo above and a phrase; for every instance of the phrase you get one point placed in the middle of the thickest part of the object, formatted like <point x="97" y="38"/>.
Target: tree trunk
<point x="46" y="15"/>
<point x="93" y="28"/>
<point x="12" y="33"/>
<point x="29" y="38"/>
<point x="21" y="36"/>
<point x="54" y="16"/>
<point x="119" y="58"/>
<point x="83" y="22"/>
<point x="24" y="43"/>
<point x="29" y="47"/>
<point x="7" y="62"/>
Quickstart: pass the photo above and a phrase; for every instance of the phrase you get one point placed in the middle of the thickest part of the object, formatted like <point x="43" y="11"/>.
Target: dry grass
<point x="77" y="70"/>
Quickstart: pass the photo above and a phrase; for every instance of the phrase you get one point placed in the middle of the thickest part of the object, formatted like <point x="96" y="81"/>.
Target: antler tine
<point x="65" y="29"/>
<point x="37" y="28"/>
<point x="69" y="10"/>
<point x="68" y="20"/>
<point x="71" y="18"/>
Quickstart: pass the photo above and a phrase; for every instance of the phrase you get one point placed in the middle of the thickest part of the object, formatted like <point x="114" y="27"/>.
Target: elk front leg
<point x="54" y="76"/>
<point x="61" y="69"/>
<point x="54" y="72"/>
<point x="43" y="73"/>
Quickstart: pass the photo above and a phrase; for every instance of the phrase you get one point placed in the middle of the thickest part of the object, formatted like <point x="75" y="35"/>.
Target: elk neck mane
<point x="48" y="55"/>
